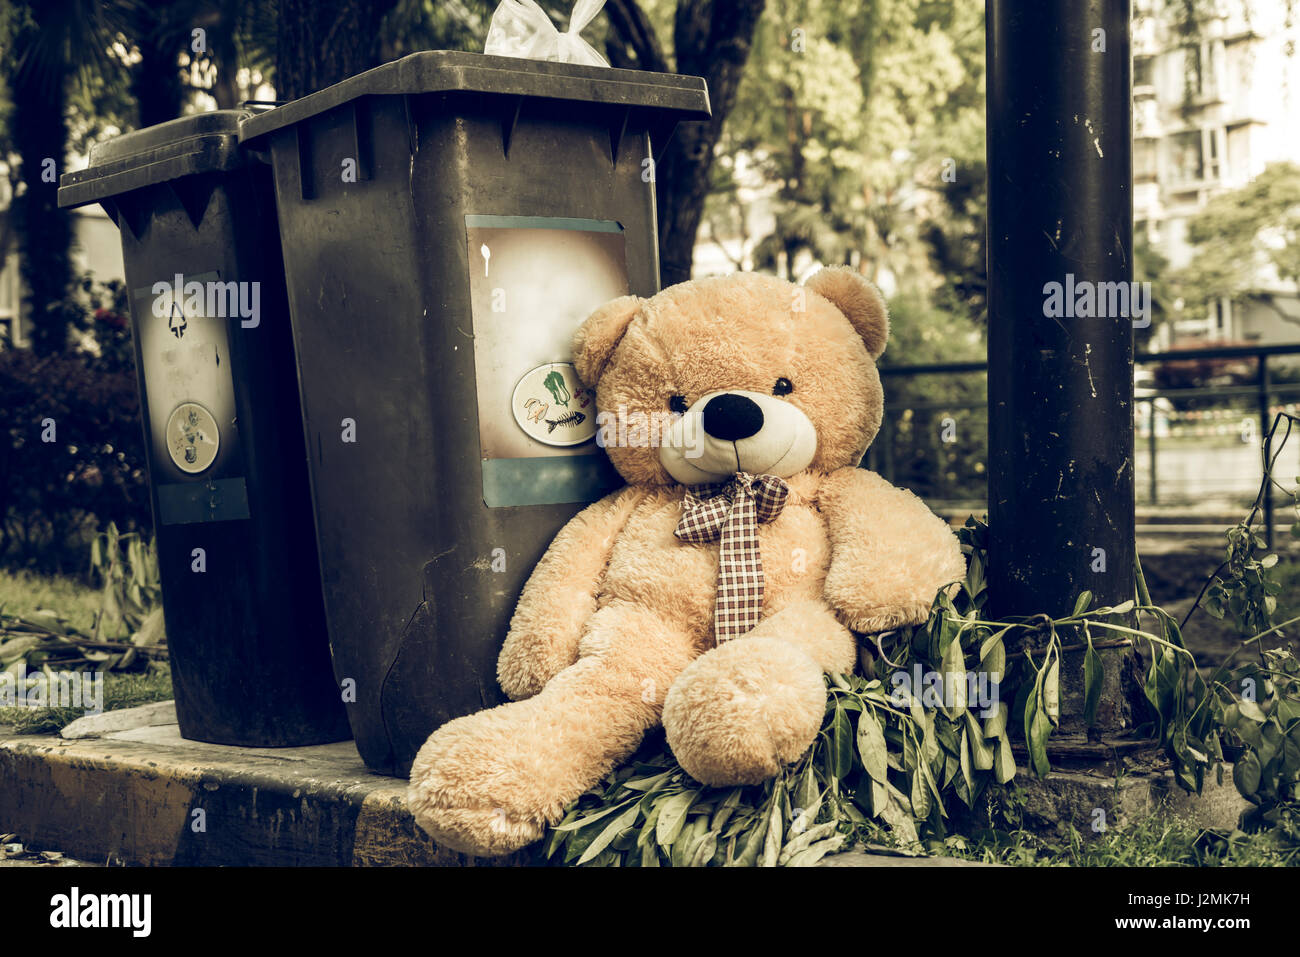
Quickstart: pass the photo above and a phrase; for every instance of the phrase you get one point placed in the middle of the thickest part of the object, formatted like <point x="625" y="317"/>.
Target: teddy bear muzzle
<point x="731" y="431"/>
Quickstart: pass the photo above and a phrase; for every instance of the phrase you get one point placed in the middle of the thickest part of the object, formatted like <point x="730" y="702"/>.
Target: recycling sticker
<point x="552" y="405"/>
<point x="192" y="437"/>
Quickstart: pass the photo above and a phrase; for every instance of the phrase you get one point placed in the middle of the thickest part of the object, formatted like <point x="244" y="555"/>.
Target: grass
<point x="120" y="691"/>
<point x="1160" y="840"/>
<point x="24" y="594"/>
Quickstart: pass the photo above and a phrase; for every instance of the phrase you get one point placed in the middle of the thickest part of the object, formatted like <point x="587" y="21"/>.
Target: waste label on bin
<point x="553" y="406"/>
<point x="189" y="397"/>
<point x="533" y="280"/>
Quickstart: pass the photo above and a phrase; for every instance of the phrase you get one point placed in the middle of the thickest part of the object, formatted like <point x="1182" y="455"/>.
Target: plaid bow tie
<point x="730" y="513"/>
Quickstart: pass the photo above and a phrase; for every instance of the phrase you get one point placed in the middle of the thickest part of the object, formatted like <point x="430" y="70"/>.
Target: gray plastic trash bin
<point x="222" y="428"/>
<point x="447" y="221"/>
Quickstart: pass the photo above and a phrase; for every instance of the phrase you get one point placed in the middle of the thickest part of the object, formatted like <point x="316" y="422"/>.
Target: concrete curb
<point x="146" y="796"/>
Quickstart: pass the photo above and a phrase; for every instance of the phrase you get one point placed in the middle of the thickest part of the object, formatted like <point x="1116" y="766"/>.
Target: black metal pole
<point x="1061" y="482"/>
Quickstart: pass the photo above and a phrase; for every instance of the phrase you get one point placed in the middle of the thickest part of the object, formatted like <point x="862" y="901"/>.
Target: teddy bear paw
<point x="448" y="799"/>
<point x="744" y="710"/>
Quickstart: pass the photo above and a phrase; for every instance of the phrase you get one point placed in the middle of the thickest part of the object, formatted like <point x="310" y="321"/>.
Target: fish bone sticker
<point x="570" y="418"/>
<point x="546" y="405"/>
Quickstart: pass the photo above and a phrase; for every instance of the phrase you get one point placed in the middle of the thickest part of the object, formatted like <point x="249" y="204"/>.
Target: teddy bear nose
<point x="732" y="417"/>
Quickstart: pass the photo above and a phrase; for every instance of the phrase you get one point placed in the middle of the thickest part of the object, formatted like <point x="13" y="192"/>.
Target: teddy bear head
<point x="736" y="373"/>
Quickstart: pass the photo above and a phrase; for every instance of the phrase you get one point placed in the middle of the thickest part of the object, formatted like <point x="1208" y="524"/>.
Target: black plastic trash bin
<point x="447" y="221"/>
<point x="223" y="431"/>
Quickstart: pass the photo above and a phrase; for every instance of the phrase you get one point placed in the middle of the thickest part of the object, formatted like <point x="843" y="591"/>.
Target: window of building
<point x="1239" y="153"/>
<point x="1213" y="138"/>
<point x="1143" y="71"/>
<point x="1144" y="159"/>
<point x="1192" y="70"/>
<point x="1187" y="159"/>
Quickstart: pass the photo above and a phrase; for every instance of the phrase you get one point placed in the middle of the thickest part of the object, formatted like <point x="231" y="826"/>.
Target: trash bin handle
<point x="261" y="104"/>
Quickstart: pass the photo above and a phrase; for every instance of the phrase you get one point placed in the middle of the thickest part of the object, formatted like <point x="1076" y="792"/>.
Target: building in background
<point x="1211" y="108"/>
<point x="96" y="249"/>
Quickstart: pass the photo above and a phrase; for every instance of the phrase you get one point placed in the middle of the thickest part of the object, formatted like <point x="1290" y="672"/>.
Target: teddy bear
<point x="712" y="592"/>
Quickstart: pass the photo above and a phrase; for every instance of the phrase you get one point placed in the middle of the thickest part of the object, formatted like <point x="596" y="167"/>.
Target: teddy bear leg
<point x="489" y="783"/>
<point x="812" y="627"/>
<point x="747" y="708"/>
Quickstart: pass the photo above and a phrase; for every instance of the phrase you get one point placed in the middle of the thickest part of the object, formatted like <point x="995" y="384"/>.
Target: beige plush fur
<point x="613" y="634"/>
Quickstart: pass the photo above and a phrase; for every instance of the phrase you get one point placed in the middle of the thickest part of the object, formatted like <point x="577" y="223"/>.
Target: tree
<point x="712" y="39"/>
<point x="160" y="32"/>
<point x="867" y="119"/>
<point x="323" y="42"/>
<point x="1243" y="236"/>
<point x="45" y="44"/>
<point x="799" y="123"/>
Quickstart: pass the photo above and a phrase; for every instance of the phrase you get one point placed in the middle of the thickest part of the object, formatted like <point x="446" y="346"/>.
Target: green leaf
<point x="879" y="796"/>
<point x="1093" y="672"/>
<point x="704" y="850"/>
<point x="871" y="746"/>
<point x="672" y="816"/>
<point x="965" y="758"/>
<point x="954" y="680"/>
<point x="993" y="657"/>
<point x="1081" y="605"/>
<point x="897" y="813"/>
<point x="727" y="807"/>
<point x="981" y="752"/>
<point x="684" y="847"/>
<point x="814" y="853"/>
<point x="1004" y="762"/>
<point x="649" y="785"/>
<point x="1246" y="774"/>
<point x="754" y="842"/>
<point x="1052" y="689"/>
<point x="1251" y="710"/>
<point x="611" y="831"/>
<point x="775" y="825"/>
<point x="929" y="740"/>
<point x="841" y="745"/>
<point x="649" y="854"/>
<point x="1040" y="731"/>
<point x="805" y="839"/>
<point x="581" y="822"/>
<point x="920" y="795"/>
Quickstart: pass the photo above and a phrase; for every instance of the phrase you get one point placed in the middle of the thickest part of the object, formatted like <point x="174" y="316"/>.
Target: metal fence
<point x="1192" y="444"/>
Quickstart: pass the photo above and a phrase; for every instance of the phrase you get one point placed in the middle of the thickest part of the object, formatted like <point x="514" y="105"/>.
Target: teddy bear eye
<point x="678" y="404"/>
<point x="783" y="386"/>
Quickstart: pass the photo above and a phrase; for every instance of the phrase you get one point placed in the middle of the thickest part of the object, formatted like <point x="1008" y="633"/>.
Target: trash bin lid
<point x="201" y="143"/>
<point x="674" y="97"/>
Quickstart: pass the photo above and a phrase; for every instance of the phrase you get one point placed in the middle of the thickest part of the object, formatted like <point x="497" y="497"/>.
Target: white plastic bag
<point x="521" y="28"/>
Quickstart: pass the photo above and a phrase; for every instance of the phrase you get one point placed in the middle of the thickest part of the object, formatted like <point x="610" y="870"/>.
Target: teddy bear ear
<point x="859" y="300"/>
<point x="598" y="337"/>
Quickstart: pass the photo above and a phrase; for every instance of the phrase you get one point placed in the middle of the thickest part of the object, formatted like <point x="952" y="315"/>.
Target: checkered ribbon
<point x="730" y="513"/>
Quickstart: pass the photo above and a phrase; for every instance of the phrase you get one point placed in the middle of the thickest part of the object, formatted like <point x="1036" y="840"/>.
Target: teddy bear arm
<point x="890" y="554"/>
<point x="560" y="596"/>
